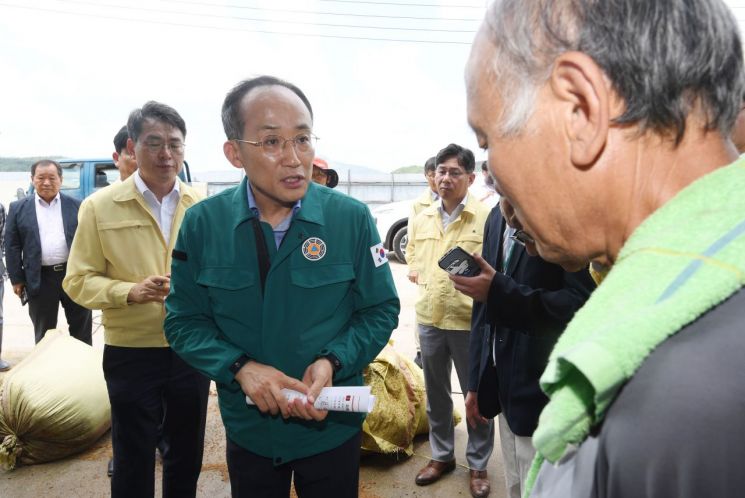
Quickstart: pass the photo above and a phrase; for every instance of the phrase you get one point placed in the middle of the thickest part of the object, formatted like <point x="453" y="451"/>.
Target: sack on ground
<point x="401" y="404"/>
<point x="54" y="403"/>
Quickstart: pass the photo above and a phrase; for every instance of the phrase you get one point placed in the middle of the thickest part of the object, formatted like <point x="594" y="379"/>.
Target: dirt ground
<point x="84" y="475"/>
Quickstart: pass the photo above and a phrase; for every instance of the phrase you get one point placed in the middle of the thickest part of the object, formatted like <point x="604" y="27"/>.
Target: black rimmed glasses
<point x="275" y="144"/>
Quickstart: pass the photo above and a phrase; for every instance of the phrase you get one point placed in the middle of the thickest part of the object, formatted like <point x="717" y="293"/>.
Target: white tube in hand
<point x="339" y="398"/>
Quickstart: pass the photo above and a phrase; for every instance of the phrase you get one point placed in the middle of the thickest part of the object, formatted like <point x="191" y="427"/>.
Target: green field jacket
<point x="328" y="290"/>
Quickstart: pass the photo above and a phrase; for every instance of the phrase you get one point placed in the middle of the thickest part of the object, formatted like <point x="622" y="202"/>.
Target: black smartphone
<point x="458" y="262"/>
<point x="24" y="297"/>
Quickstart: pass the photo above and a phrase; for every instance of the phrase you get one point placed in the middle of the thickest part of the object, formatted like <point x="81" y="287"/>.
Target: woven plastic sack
<point x="401" y="404"/>
<point x="54" y="403"/>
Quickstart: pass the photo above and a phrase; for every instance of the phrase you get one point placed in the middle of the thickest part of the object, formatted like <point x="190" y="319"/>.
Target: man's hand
<point x="476" y="287"/>
<point x="413" y="276"/>
<point x="473" y="416"/>
<point x="264" y="384"/>
<point x="18" y="289"/>
<point x="154" y="289"/>
<point x="317" y="376"/>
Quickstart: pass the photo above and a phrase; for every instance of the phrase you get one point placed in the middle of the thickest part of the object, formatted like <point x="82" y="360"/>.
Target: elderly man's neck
<point x="653" y="172"/>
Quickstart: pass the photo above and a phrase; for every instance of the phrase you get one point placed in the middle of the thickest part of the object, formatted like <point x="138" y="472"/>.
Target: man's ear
<point x="115" y="157"/>
<point x="579" y="83"/>
<point x="471" y="178"/>
<point x="230" y="149"/>
<point x="131" y="148"/>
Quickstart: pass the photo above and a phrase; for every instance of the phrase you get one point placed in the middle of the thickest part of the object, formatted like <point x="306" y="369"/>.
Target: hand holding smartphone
<point x="458" y="262"/>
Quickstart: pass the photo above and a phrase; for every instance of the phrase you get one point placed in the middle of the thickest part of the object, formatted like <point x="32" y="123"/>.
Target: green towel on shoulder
<point x="683" y="260"/>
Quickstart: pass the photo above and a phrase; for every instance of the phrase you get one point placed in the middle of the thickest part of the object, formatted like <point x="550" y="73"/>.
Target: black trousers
<point x="44" y="307"/>
<point x="334" y="473"/>
<point x="149" y="387"/>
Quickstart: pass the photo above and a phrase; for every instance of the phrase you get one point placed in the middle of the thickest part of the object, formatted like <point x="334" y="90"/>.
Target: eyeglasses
<point x="453" y="173"/>
<point x="274" y="144"/>
<point x="174" y="147"/>
<point x="522" y="238"/>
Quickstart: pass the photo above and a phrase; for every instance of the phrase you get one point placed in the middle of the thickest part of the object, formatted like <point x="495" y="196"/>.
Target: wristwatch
<point x="238" y="364"/>
<point x="335" y="363"/>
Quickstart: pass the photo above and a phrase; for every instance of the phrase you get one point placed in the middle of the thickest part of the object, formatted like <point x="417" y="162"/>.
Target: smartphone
<point x="24" y="297"/>
<point x="458" y="262"/>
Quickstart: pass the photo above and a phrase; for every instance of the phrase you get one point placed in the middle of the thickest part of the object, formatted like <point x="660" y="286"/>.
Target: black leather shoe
<point x="110" y="469"/>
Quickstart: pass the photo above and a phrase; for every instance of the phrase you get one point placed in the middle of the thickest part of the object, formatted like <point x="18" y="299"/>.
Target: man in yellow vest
<point x="444" y="314"/>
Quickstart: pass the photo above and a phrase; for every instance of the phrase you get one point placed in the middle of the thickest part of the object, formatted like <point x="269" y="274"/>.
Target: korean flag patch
<point x="378" y="255"/>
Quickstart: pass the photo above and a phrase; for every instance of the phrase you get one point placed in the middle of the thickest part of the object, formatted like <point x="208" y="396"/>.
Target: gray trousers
<point x="440" y="350"/>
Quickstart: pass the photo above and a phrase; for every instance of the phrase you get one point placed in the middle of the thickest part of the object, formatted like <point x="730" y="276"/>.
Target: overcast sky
<point x="70" y="72"/>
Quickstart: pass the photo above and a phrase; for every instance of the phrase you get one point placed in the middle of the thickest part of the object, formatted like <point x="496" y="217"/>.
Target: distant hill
<point x="414" y="168"/>
<point x="353" y="170"/>
<point x="21" y="163"/>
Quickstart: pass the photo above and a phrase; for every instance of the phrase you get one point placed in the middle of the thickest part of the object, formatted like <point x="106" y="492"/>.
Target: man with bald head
<point x="607" y="126"/>
<point x="279" y="283"/>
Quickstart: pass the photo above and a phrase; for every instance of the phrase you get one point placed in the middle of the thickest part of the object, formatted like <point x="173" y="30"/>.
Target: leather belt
<point x="57" y="267"/>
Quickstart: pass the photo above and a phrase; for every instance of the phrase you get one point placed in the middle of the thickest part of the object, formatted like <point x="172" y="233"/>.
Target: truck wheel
<point x="399" y="243"/>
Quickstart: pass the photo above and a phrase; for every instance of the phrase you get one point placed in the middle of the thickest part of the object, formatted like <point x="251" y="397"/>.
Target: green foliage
<point x="21" y="163"/>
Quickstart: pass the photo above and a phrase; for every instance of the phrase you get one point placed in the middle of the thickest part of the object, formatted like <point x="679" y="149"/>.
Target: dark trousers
<point x="332" y="473"/>
<point x="150" y="387"/>
<point x="44" y="307"/>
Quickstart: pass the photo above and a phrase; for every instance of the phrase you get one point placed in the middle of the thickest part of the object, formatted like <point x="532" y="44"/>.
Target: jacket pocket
<point x="313" y="277"/>
<point x="427" y="235"/>
<point x="226" y="278"/>
<point x="472" y="242"/>
<point x="121" y="239"/>
<point x="235" y="301"/>
<point x="114" y="225"/>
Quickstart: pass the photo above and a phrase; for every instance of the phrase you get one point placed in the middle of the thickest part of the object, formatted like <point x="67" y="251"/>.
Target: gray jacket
<point x="677" y="428"/>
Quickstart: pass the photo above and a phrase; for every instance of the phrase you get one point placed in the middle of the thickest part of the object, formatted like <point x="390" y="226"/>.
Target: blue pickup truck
<point x="82" y="177"/>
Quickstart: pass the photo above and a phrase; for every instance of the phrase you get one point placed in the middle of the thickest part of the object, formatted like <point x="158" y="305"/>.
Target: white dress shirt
<point x="161" y="211"/>
<point x="448" y="218"/>
<point x="54" y="248"/>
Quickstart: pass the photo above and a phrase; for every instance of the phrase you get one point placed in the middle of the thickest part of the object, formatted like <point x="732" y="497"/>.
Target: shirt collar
<point x="458" y="207"/>
<point x="142" y="187"/>
<point x="43" y="202"/>
<point x="255" y="209"/>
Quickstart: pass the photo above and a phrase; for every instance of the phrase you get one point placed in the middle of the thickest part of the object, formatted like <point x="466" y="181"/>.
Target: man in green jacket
<point x="280" y="283"/>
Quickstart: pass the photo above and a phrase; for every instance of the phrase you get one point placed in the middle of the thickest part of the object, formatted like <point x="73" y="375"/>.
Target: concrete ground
<point x="84" y="475"/>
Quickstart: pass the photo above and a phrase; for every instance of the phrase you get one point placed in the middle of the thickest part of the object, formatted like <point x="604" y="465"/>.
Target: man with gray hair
<point x="628" y="164"/>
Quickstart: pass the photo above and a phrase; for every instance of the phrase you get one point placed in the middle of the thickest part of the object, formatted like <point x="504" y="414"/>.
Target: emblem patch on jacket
<point x="314" y="249"/>
<point x="378" y="255"/>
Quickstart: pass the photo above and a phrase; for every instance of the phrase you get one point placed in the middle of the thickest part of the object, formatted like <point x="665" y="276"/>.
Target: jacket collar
<point x="127" y="190"/>
<point x="310" y="209"/>
<point x="470" y="207"/>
